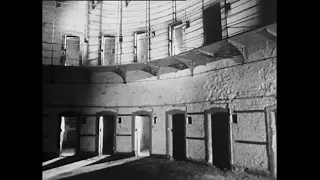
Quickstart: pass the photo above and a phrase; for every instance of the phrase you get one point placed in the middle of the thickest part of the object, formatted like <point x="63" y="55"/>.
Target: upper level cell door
<point x="141" y="41"/>
<point x="108" y="51"/>
<point x="177" y="36"/>
<point x="73" y="56"/>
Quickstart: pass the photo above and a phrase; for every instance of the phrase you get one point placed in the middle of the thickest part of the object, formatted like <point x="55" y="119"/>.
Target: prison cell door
<point x="68" y="136"/>
<point x="73" y="55"/>
<point x="108" y="134"/>
<point x="108" y="54"/>
<point x="177" y="37"/>
<point x="220" y="139"/>
<point x="178" y="136"/>
<point x="100" y="142"/>
<point x="138" y="130"/>
<point x="142" y="135"/>
<point x="141" y="45"/>
<point x="212" y="24"/>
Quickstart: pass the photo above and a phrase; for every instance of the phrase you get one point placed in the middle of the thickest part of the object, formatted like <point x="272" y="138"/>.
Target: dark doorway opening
<point x="69" y="135"/>
<point x="212" y="24"/>
<point x="108" y="134"/>
<point x="220" y="140"/>
<point x="178" y="136"/>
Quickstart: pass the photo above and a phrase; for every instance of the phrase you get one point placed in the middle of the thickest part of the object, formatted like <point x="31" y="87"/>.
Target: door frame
<point x="60" y="132"/>
<point x="272" y="138"/>
<point x="65" y="49"/>
<point x="99" y="129"/>
<point x="102" y="48"/>
<point x="208" y="133"/>
<point x="133" y="130"/>
<point x="182" y="38"/>
<point x="135" y="46"/>
<point x="171" y="28"/>
<point x="169" y="135"/>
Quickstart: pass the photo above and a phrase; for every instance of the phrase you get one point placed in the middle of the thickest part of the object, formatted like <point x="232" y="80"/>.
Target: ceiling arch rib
<point x="223" y="50"/>
<point x="146" y="67"/>
<point x="121" y="72"/>
<point x="187" y="62"/>
<point x="171" y="62"/>
<point x="153" y="70"/>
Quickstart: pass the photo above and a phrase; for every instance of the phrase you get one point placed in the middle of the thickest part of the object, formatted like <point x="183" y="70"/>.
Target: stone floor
<point x="148" y="168"/>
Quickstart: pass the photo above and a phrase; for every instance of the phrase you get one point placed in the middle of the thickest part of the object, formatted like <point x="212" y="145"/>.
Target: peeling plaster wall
<point x="250" y="156"/>
<point x="251" y="128"/>
<point x="242" y="81"/>
<point x="124" y="144"/>
<point x="89" y="135"/>
<point x="124" y="134"/>
<point x="196" y="147"/>
<point x="250" y="86"/>
<point x="87" y="144"/>
<point x="125" y="127"/>
<point x="158" y="130"/>
<point x="89" y="127"/>
<point x="196" y="128"/>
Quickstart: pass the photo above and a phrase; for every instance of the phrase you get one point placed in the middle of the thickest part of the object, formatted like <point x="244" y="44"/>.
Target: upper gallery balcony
<point x="121" y="36"/>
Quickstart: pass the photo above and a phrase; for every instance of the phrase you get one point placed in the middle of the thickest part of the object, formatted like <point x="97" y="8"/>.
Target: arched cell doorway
<point x="217" y="123"/>
<point x="69" y="133"/>
<point x="107" y="130"/>
<point x="142" y="133"/>
<point x="176" y="134"/>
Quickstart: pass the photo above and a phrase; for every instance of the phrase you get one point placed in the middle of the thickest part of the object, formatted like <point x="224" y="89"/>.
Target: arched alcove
<point x="74" y="131"/>
<point x="106" y="141"/>
<point x="218" y="137"/>
<point x="176" y="144"/>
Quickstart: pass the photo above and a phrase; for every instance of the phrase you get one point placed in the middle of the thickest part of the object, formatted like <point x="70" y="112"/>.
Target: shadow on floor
<point x="111" y="158"/>
<point x="48" y="156"/>
<point x="67" y="160"/>
<point x="144" y="168"/>
<point x="125" y="171"/>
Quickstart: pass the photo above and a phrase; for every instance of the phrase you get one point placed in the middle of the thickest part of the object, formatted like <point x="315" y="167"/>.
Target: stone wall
<point x="246" y="87"/>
